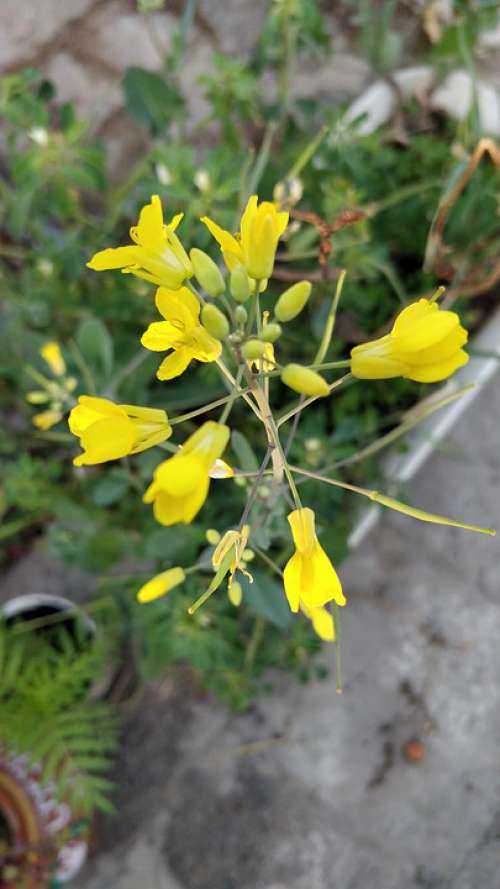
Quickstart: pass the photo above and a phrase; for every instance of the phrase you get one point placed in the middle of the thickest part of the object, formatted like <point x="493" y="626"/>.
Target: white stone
<point x="95" y="96"/>
<point x="26" y="26"/>
<point x="235" y="25"/>
<point x="379" y="101"/>
<point x="455" y="95"/>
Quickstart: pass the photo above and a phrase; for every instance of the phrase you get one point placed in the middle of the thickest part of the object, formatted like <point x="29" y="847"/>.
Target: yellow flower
<point x="108" y="431"/>
<point x="181" y="331"/>
<point x="157" y="255"/>
<point x="180" y="485"/>
<point x="161" y="584"/>
<point x="310" y="578"/>
<point x="47" y="419"/>
<point x="237" y="542"/>
<point x="52" y="354"/>
<point x="254" y="247"/>
<point x="425" y="345"/>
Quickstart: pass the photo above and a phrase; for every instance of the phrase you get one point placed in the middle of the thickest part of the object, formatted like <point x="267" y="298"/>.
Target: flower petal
<point x="160" y="336"/>
<point x="114" y="258"/>
<point x="433" y="373"/>
<point x="150" y="231"/>
<point x="292" y="578"/>
<point x="174" y="364"/>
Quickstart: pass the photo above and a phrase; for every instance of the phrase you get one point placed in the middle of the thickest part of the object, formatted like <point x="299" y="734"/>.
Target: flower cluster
<point x="215" y="316"/>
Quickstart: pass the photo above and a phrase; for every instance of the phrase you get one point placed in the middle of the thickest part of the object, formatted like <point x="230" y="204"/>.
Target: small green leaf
<point x="151" y="99"/>
<point x="243" y="450"/>
<point x="266" y="597"/>
<point x="96" y="345"/>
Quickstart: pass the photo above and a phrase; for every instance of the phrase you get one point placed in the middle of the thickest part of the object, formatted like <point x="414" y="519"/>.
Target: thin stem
<point x="226" y="400"/>
<point x="265" y="558"/>
<point x="124" y="372"/>
<point x="254" y="489"/>
<point x="232" y="398"/>
<point x="338" y="655"/>
<point x="228" y="375"/>
<point x="330" y="321"/>
<point x="330" y="481"/>
<point x="308" y="152"/>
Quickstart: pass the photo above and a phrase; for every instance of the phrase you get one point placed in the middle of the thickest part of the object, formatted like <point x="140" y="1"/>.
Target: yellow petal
<point x="247" y="219"/>
<point x="204" y="347"/>
<point x="302" y="523"/>
<point x="114" y="258"/>
<point x="323" y="624"/>
<point x="209" y="442"/>
<point x="413" y="313"/>
<point x="106" y="439"/>
<point x="225" y="239"/>
<point x="149" y="231"/>
<point x="433" y="373"/>
<point x="180" y="474"/>
<point x="178" y="306"/>
<point x="161" y="584"/>
<point x="174" y="364"/>
<point x="292" y="578"/>
<point x="427" y="332"/>
<point x="89" y="410"/>
<point x="162" y="335"/>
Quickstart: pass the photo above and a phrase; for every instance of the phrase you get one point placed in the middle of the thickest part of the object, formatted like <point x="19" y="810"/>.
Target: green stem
<point x="232" y="398"/>
<point x="226" y="400"/>
<point x="300" y="407"/>
<point x="330" y="321"/>
<point x="308" y="152"/>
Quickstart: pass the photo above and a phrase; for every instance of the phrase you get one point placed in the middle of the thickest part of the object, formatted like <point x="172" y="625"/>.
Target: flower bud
<point x="292" y="301"/>
<point x="161" y="584"/>
<point x="235" y="593"/>
<point x="253" y="349"/>
<point x="214" y="321"/>
<point x="271" y="332"/>
<point x="212" y="536"/>
<point x="207" y="273"/>
<point x="304" y="380"/>
<point x="239" y="284"/>
<point x="240" y="316"/>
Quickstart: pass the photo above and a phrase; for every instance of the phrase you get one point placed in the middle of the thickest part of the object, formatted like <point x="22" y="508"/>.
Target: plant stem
<point x="226" y="400"/>
<point x="229" y="377"/>
<point x="232" y="398"/>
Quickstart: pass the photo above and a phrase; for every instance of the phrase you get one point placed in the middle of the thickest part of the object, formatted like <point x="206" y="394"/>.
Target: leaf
<point x="109" y="489"/>
<point x="244" y="452"/>
<point x="96" y="345"/>
<point x="266" y="597"/>
<point x="151" y="99"/>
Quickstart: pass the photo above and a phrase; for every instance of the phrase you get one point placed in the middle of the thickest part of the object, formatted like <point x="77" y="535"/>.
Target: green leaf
<point x="96" y="345"/>
<point x="266" y="597"/>
<point x="109" y="489"/>
<point x="244" y="452"/>
<point x="151" y="99"/>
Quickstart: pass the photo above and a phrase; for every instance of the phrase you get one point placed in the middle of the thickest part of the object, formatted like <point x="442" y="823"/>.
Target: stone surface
<point x="26" y="27"/>
<point x="311" y="790"/>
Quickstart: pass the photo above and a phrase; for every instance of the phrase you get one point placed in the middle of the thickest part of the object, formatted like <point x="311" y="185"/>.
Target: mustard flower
<point x="161" y="584"/>
<point x="425" y="345"/>
<point x="181" y="332"/>
<point x="51" y="353"/>
<point x="255" y="245"/>
<point x="108" y="431"/>
<point x="237" y="542"/>
<point x="157" y="254"/>
<point x="180" y="485"/>
<point x="310" y="578"/>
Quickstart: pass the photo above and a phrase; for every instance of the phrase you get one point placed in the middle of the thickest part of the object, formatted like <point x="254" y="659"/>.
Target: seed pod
<point x="271" y="332"/>
<point x="253" y="349"/>
<point x="239" y="284"/>
<point x="240" y="316"/>
<point x="214" y="321"/>
<point x="304" y="380"/>
<point x="207" y="273"/>
<point x="292" y="301"/>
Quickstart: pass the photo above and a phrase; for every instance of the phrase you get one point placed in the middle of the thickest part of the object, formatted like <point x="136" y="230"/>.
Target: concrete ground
<point x="312" y="790"/>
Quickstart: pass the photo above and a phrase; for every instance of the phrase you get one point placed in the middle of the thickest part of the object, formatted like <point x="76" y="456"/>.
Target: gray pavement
<point x="312" y="790"/>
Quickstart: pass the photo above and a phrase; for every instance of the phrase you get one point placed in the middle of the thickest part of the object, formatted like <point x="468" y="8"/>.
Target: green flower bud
<point x="304" y="380"/>
<point x="240" y="316"/>
<point x="253" y="349"/>
<point x="214" y="321"/>
<point x="207" y="273"/>
<point x="292" y="301"/>
<point x="271" y="332"/>
<point x="239" y="284"/>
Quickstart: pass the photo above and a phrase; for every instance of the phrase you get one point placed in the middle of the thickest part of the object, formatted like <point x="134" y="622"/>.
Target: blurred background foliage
<point x="59" y="205"/>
